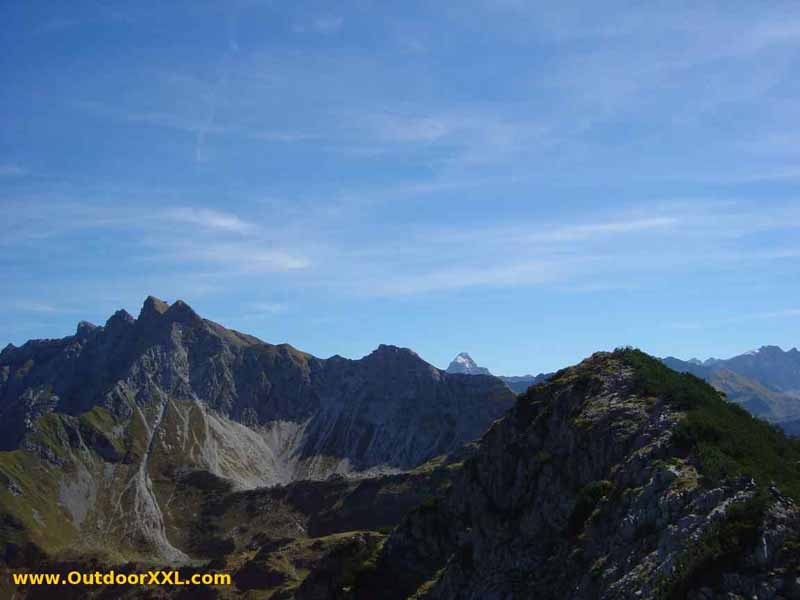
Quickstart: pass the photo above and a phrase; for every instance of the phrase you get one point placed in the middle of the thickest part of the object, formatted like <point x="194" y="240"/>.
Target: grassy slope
<point x="725" y="438"/>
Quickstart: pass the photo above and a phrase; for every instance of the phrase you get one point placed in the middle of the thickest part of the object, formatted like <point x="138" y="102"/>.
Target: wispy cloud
<point x="192" y="119"/>
<point x="320" y="24"/>
<point x="45" y="218"/>
<point x="500" y="274"/>
<point x="595" y="230"/>
<point x="182" y="234"/>
<point x="38" y="307"/>
<point x="249" y="257"/>
<point x="208" y="219"/>
<point x="608" y="253"/>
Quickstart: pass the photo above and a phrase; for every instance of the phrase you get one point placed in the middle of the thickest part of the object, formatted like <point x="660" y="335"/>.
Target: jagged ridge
<point x="617" y="479"/>
<point x="99" y="426"/>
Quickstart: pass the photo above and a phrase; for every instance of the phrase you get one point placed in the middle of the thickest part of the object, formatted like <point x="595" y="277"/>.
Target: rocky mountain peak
<point x="157" y="315"/>
<point x="85" y="328"/>
<point x="464" y="364"/>
<point x="388" y="351"/>
<point x="394" y="361"/>
<point x="121" y="317"/>
<point x="465" y="358"/>
<point x="181" y="312"/>
<point x="152" y="307"/>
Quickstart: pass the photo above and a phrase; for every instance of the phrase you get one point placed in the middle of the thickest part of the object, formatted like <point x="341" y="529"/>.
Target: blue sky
<point x="527" y="184"/>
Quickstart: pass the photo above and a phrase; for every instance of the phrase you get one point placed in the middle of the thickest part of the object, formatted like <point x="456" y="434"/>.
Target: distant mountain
<point x="98" y="429"/>
<point x="765" y="381"/>
<point x="520" y="384"/>
<point x="464" y="364"/>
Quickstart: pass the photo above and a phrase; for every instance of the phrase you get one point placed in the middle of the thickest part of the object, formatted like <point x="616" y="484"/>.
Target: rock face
<point x="765" y="381"/>
<point x="464" y="364"/>
<point x="96" y="428"/>
<point x="591" y="487"/>
<point x="150" y="439"/>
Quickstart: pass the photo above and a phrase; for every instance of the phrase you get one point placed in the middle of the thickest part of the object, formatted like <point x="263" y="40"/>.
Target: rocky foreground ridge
<point x="616" y="479"/>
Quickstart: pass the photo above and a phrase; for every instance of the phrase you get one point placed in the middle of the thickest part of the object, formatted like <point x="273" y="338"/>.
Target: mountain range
<point x="168" y="439"/>
<point x="765" y="381"/>
<point x="116" y="415"/>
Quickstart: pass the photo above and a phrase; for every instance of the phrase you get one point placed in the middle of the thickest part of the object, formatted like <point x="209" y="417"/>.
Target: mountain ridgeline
<point x="618" y="478"/>
<point x="170" y="439"/>
<point x="765" y="381"/>
<point x="98" y="428"/>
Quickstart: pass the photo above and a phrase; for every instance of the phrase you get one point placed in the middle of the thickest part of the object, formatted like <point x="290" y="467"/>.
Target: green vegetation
<point x="361" y="565"/>
<point x="30" y="515"/>
<point x="718" y="548"/>
<point x="588" y="498"/>
<point x="99" y="419"/>
<point x="725" y="439"/>
<point x="98" y="428"/>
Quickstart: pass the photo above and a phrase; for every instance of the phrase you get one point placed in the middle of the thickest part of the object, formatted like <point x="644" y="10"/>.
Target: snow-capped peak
<point x="464" y="364"/>
<point x="465" y="359"/>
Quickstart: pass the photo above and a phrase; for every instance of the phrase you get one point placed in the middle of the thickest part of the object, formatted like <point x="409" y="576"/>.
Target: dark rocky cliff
<point x="617" y="479"/>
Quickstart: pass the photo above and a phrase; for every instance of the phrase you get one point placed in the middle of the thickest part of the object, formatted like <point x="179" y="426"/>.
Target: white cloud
<point x="500" y="274"/>
<point x="594" y="230"/>
<point x="38" y="307"/>
<point x="182" y="234"/>
<point x="320" y="24"/>
<point x="608" y="253"/>
<point x="236" y="257"/>
<point x="209" y="219"/>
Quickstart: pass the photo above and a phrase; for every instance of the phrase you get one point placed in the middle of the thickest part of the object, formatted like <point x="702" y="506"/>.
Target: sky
<point x="526" y="183"/>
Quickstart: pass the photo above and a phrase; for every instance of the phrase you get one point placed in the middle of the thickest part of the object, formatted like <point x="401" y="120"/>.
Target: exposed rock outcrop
<point x="588" y="488"/>
<point x="136" y="403"/>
